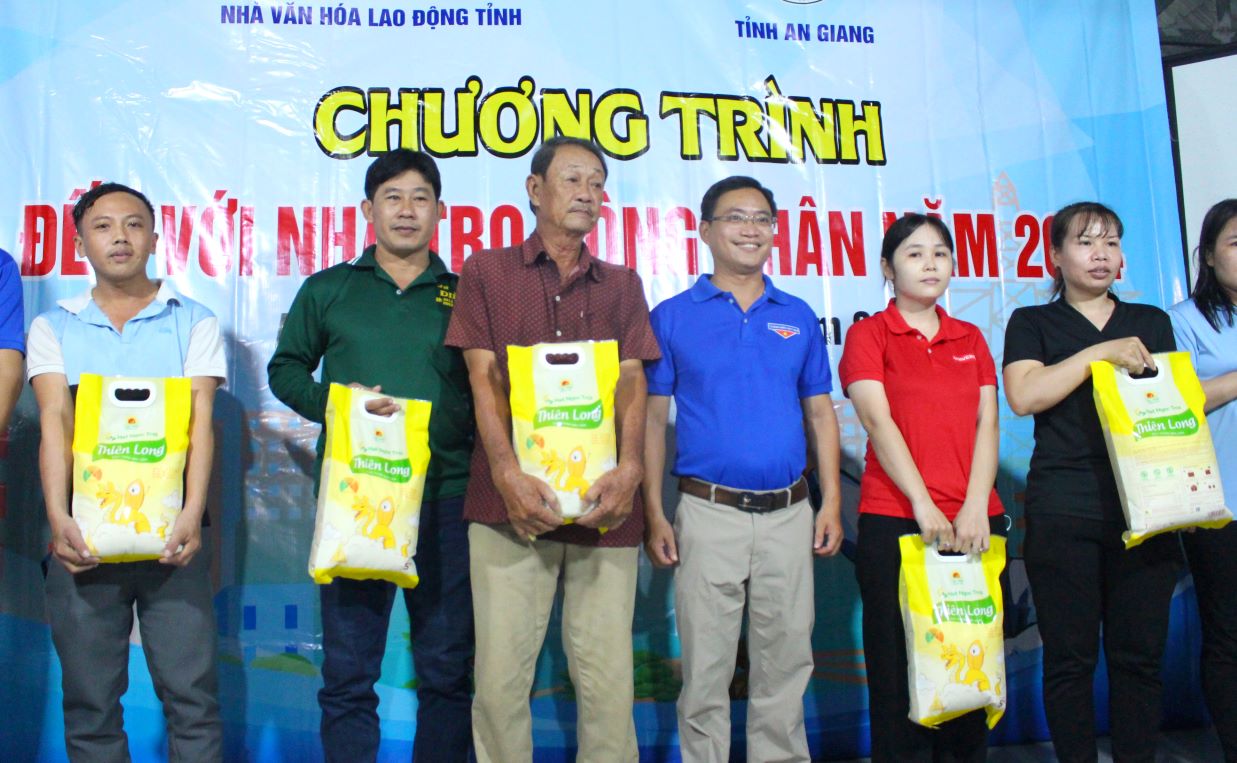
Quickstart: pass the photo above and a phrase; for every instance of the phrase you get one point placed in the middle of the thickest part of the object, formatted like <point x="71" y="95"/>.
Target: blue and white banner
<point x="250" y="125"/>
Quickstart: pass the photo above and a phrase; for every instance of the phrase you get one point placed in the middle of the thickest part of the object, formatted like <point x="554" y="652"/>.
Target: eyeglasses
<point x="760" y="221"/>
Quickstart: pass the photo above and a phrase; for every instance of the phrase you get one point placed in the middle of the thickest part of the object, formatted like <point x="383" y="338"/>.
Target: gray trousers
<point x="727" y="560"/>
<point x="91" y="616"/>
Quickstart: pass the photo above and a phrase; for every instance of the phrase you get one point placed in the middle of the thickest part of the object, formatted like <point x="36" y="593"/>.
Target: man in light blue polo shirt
<point x="748" y="370"/>
<point x="128" y="325"/>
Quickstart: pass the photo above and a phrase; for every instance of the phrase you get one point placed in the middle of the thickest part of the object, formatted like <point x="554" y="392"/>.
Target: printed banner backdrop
<point x="250" y="127"/>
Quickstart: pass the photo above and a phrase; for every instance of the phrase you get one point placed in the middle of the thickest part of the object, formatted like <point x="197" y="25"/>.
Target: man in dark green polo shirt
<point x="378" y="322"/>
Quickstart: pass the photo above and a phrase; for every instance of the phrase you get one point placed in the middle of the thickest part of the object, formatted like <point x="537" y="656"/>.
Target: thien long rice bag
<point x="1160" y="447"/>
<point x="130" y="437"/>
<point x="953" y="616"/>
<point x="562" y="415"/>
<point x="369" y="497"/>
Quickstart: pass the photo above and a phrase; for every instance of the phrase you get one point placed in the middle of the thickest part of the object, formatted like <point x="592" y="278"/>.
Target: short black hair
<point x="89" y="198"/>
<point x="905" y="226"/>
<point x="395" y="163"/>
<point x="733" y="183"/>
<point x="1086" y="213"/>
<point x="545" y="155"/>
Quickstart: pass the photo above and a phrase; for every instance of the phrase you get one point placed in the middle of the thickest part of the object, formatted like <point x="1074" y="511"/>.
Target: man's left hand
<point x="828" y="537"/>
<point x="611" y="496"/>
<point x="184" y="540"/>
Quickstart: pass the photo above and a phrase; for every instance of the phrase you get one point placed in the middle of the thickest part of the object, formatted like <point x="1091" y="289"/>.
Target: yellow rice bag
<point x="1160" y="447"/>
<point x="562" y="415"/>
<point x="130" y="437"/>
<point x="953" y="617"/>
<point x="369" y="497"/>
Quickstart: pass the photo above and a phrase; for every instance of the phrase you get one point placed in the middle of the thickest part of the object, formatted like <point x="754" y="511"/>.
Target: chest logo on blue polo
<point x="784" y="331"/>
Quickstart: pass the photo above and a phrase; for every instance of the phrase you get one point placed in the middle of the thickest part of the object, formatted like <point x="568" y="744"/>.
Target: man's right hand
<point x="383" y="406"/>
<point x="69" y="548"/>
<point x="532" y="507"/>
<point x="659" y="543"/>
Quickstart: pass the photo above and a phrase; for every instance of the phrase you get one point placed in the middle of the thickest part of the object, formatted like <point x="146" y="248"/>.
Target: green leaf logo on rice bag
<point x="953" y="616"/>
<point x="1160" y="447"/>
<point x="369" y="495"/>
<point x="130" y="439"/>
<point x="562" y="415"/>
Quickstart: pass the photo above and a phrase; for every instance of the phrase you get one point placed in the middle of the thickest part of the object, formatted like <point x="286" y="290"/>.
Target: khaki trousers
<point x="728" y="558"/>
<point x="513" y="584"/>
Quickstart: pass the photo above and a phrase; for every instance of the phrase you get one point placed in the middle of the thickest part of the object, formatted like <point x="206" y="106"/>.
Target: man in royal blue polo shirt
<point x="747" y="367"/>
<point x="12" y="337"/>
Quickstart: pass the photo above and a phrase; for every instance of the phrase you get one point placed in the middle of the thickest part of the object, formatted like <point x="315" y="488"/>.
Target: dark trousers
<point x="91" y="616"/>
<point x="896" y="738"/>
<point x="355" y="617"/>
<point x="1083" y="579"/>
<point x="1213" y="561"/>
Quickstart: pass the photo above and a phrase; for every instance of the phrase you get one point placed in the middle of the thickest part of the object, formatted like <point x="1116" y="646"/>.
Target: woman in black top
<point x="1081" y="576"/>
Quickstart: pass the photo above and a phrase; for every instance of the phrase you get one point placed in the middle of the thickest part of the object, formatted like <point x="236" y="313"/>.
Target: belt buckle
<point x="745" y="501"/>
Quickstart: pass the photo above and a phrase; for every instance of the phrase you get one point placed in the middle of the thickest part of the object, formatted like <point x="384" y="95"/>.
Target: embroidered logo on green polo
<point x="446" y="295"/>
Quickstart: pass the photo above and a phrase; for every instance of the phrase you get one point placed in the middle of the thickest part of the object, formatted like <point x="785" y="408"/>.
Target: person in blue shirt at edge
<point x="128" y="325"/>
<point x="12" y="338"/>
<point x="744" y="533"/>
<point x="379" y="321"/>
<point x="1205" y="325"/>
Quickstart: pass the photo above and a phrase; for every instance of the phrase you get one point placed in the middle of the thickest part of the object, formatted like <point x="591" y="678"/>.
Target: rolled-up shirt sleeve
<point x="469" y="328"/>
<point x="44" y="354"/>
<point x="206" y="356"/>
<point x="637" y="341"/>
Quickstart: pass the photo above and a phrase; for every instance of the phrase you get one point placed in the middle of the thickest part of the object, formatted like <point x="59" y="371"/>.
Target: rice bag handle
<point x="559" y="354"/>
<point x="367" y="413"/>
<point x="934" y="549"/>
<point x="1146" y="376"/>
<point x="131" y="393"/>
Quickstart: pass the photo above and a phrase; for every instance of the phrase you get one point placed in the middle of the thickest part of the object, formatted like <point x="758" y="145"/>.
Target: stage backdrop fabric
<point x="250" y="127"/>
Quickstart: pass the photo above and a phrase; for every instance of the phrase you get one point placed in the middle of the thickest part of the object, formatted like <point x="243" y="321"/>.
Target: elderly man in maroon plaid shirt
<point x="552" y="289"/>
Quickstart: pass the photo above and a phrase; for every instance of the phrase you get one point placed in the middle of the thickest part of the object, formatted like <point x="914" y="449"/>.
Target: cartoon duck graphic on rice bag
<point x="129" y="446"/>
<point x="953" y="616"/>
<point x="369" y="499"/>
<point x="562" y="414"/>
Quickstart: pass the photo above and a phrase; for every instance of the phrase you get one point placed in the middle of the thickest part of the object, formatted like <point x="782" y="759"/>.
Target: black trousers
<point x="1213" y="561"/>
<point x="895" y="738"/>
<point x="1084" y="581"/>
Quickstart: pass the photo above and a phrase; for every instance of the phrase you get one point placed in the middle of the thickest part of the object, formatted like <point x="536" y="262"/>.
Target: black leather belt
<point x="752" y="501"/>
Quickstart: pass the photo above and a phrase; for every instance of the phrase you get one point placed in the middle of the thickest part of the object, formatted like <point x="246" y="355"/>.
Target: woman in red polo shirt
<point x="924" y="387"/>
